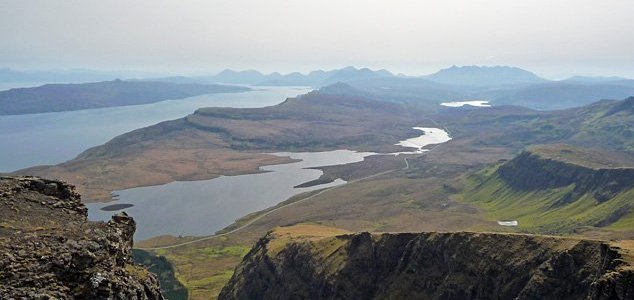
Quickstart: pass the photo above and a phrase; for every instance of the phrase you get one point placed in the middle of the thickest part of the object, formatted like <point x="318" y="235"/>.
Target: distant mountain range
<point x="497" y="84"/>
<point x="560" y="94"/>
<point x="252" y="77"/>
<point x="485" y="76"/>
<point x="474" y="76"/>
<point x="65" y="76"/>
<point x="586" y="79"/>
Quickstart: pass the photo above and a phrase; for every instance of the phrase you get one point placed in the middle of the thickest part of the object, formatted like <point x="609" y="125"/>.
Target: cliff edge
<point x="559" y="189"/>
<point x="49" y="250"/>
<point x="431" y="266"/>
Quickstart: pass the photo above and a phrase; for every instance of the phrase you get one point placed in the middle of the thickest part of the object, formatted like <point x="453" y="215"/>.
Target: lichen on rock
<point x="49" y="250"/>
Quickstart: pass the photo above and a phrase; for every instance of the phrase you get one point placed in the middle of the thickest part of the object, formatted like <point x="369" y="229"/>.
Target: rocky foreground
<point x="49" y="250"/>
<point x="431" y="266"/>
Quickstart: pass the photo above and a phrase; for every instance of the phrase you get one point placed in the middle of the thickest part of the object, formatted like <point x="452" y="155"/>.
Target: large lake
<point x="206" y="206"/>
<point x="51" y="138"/>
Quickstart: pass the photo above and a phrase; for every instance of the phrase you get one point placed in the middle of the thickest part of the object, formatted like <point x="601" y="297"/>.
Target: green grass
<point x="537" y="211"/>
<point x="213" y="252"/>
<point x="172" y="289"/>
<point x="204" y="270"/>
<point x="215" y="281"/>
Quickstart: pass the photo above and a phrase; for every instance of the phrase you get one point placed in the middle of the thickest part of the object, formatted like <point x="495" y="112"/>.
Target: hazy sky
<point x="553" y="38"/>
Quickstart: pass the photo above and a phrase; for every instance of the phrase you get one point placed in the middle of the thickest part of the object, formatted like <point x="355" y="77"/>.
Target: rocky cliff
<point x="432" y="266"/>
<point x="559" y="189"/>
<point x="48" y="249"/>
<point x="554" y="166"/>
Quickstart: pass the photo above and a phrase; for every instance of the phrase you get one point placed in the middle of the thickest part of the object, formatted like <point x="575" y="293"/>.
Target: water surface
<point x="206" y="206"/>
<point x="51" y="138"/>
<point x="476" y="103"/>
<point x="430" y="136"/>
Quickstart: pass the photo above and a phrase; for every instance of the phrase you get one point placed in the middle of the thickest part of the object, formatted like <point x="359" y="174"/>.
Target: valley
<point x="423" y="197"/>
<point x="241" y="150"/>
<point x="443" y="187"/>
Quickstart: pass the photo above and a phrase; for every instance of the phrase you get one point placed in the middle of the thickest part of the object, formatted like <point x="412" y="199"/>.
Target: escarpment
<point x="553" y="166"/>
<point x="559" y="189"/>
<point x="432" y="266"/>
<point x="49" y="250"/>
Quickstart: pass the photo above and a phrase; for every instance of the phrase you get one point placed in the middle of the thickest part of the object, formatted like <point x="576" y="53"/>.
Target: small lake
<point x="430" y="136"/>
<point x="206" y="206"/>
<point x="51" y="138"/>
<point x="476" y="103"/>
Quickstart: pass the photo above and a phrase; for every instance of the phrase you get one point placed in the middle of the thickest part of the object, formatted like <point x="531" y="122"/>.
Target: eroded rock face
<point x="530" y="171"/>
<point x="432" y="266"/>
<point x="48" y="249"/>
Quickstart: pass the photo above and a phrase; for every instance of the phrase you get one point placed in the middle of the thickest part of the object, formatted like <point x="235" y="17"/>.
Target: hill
<point x="558" y="189"/>
<point x="484" y="76"/>
<point x="242" y="77"/>
<point x="604" y="124"/>
<point x="321" y="78"/>
<point x="429" y="94"/>
<point x="284" y="265"/>
<point x="416" y="91"/>
<point x="561" y="94"/>
<point x="72" y="75"/>
<point x="65" y="97"/>
<point x="421" y="197"/>
<point x="595" y="79"/>
<point x="51" y="251"/>
<point x="229" y="141"/>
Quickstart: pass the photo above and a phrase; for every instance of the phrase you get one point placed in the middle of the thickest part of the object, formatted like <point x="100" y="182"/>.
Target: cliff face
<point x="48" y="249"/>
<point x="559" y="189"/>
<point x="533" y="170"/>
<point x="432" y="266"/>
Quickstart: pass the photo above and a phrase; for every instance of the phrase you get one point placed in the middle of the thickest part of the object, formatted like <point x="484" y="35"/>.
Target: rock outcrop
<point x="553" y="166"/>
<point x="49" y="250"/>
<point x="432" y="266"/>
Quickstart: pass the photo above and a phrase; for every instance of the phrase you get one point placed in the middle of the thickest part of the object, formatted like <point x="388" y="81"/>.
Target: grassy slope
<point x="535" y="210"/>
<point x="412" y="200"/>
<point x="204" y="268"/>
<point x="405" y="201"/>
<point x="164" y="270"/>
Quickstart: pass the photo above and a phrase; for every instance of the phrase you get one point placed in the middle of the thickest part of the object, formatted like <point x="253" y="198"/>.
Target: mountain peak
<point x="485" y="76"/>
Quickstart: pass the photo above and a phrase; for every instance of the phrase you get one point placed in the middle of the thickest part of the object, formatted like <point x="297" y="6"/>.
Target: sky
<point x="553" y="38"/>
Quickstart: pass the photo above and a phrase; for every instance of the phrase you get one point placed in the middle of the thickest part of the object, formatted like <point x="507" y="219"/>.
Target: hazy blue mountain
<point x="417" y="91"/>
<point x="241" y="77"/>
<point x="542" y="96"/>
<point x="561" y="94"/>
<point x="65" y="97"/>
<point x="594" y="79"/>
<point x="178" y="79"/>
<point x="352" y="74"/>
<point x="67" y="76"/>
<point x="297" y="78"/>
<point x="321" y="78"/>
<point x="485" y="76"/>
<point x="315" y="78"/>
